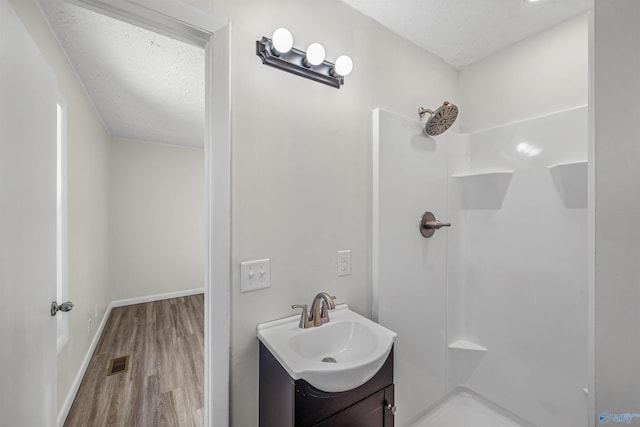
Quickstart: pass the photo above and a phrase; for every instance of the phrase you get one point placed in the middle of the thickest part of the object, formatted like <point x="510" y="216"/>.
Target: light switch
<point x="255" y="275"/>
<point x="344" y="263"/>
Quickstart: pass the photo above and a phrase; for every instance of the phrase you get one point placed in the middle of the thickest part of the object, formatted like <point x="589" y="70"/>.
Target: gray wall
<point x="88" y="170"/>
<point x="300" y="162"/>
<point x="542" y="74"/>
<point x="156" y="216"/>
<point x="617" y="205"/>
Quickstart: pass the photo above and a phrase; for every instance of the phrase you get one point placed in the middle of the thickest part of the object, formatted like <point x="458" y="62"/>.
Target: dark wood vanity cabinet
<point x="285" y="402"/>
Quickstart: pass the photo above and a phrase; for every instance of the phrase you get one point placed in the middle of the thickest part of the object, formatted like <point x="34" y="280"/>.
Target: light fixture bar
<point x="293" y="62"/>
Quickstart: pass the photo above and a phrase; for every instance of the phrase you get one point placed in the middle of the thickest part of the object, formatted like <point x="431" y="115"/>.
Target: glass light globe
<point x="282" y="40"/>
<point x="315" y="54"/>
<point x="343" y="66"/>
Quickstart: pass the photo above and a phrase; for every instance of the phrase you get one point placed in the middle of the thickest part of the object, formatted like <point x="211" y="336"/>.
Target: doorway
<point x="187" y="24"/>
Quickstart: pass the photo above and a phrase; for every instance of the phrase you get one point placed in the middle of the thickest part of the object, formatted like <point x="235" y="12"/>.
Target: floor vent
<point x="118" y="365"/>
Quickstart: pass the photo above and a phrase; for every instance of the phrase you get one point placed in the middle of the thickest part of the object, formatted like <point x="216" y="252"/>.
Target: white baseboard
<point x="157" y="297"/>
<point x="64" y="410"/>
<point x="75" y="385"/>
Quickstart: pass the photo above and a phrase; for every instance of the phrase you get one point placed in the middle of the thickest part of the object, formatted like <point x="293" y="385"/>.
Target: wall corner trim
<point x="156" y="297"/>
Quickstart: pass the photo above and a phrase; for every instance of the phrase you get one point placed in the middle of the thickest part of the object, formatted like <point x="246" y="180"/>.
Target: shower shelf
<point x="483" y="190"/>
<point x="467" y="345"/>
<point x="465" y="357"/>
<point x="571" y="181"/>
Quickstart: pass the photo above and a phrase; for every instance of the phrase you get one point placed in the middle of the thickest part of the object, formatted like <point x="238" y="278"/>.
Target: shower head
<point x="441" y="119"/>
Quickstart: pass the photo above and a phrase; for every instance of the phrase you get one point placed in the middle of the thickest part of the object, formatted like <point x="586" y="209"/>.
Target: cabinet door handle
<point x="392" y="408"/>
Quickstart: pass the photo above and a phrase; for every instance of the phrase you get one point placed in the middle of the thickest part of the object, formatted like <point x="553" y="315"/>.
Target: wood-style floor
<point x="164" y="383"/>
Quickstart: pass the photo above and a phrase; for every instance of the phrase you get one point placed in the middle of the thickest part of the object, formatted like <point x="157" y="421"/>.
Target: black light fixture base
<point x="293" y="62"/>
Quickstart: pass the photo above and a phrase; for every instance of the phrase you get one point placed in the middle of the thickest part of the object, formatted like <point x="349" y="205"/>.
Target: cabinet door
<point x="369" y="412"/>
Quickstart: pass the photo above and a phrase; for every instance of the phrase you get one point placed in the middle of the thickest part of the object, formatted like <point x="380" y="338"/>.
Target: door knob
<point x="65" y="306"/>
<point x="429" y="224"/>
<point x="391" y="407"/>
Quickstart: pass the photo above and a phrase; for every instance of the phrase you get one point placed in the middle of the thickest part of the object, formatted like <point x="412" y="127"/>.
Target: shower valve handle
<point x="429" y="224"/>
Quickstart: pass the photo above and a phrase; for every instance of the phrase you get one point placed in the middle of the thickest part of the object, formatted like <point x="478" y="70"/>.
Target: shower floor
<point x="464" y="410"/>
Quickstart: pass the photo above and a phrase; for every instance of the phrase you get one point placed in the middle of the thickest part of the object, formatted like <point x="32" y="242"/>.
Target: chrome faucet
<point x="322" y="303"/>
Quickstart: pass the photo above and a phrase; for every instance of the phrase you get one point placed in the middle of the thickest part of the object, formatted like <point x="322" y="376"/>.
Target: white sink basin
<point x="353" y="348"/>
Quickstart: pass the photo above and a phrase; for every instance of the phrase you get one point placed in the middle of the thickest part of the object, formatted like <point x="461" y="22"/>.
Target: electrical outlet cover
<point x="344" y="263"/>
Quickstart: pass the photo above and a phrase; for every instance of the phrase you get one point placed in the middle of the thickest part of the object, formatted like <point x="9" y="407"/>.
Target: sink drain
<point x="329" y="359"/>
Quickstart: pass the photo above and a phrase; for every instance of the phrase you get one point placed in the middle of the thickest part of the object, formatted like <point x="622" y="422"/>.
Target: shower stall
<point x="491" y="313"/>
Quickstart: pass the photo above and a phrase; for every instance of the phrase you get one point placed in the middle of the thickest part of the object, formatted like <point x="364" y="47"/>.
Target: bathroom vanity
<point x="338" y="374"/>
<point x="285" y="402"/>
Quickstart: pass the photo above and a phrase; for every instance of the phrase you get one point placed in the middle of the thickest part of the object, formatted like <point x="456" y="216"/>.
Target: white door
<point x="27" y="229"/>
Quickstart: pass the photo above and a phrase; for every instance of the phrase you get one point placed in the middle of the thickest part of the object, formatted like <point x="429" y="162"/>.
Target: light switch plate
<point x="344" y="263"/>
<point x="255" y="275"/>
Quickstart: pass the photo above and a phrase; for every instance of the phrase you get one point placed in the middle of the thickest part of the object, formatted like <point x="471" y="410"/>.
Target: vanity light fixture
<point x="343" y="67"/>
<point x="279" y="52"/>
<point x="315" y="55"/>
<point x="282" y="41"/>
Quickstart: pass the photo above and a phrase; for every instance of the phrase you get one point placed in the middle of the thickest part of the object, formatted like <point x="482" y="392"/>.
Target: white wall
<point x="542" y="74"/>
<point x="156" y="218"/>
<point x="88" y="146"/>
<point x="617" y="205"/>
<point x="299" y="183"/>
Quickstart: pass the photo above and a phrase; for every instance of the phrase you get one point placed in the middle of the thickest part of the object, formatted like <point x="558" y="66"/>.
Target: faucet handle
<point x="324" y="309"/>
<point x="304" y="316"/>
<point x="331" y="302"/>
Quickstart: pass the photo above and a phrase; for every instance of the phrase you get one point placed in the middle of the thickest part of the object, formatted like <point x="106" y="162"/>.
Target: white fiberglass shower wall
<point x="522" y="293"/>
<point x="493" y="309"/>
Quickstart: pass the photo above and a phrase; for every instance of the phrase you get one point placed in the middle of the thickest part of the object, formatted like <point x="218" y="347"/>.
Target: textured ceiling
<point x="464" y="31"/>
<point x="144" y="85"/>
<point x="150" y="87"/>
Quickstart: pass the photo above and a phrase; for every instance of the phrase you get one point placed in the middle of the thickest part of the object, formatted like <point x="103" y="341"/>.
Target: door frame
<point x="191" y="25"/>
